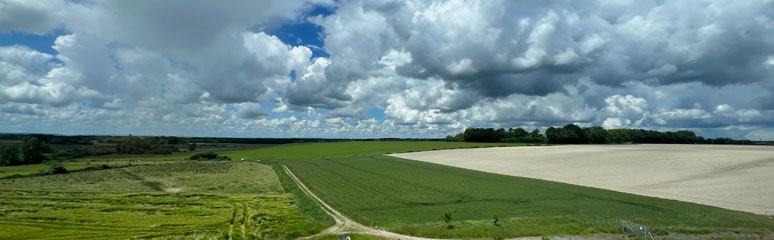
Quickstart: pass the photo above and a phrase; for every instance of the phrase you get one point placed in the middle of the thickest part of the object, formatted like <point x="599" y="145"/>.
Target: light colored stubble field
<point x="734" y="177"/>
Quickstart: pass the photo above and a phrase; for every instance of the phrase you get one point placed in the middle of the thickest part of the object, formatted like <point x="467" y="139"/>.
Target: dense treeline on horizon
<point x="57" y="139"/>
<point x="37" y="148"/>
<point x="573" y="134"/>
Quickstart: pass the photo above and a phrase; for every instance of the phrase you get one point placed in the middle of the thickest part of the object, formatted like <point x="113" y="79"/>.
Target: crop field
<point x="339" y="149"/>
<point x="165" y="197"/>
<point x="729" y="176"/>
<point x="165" y="200"/>
<point x="410" y="197"/>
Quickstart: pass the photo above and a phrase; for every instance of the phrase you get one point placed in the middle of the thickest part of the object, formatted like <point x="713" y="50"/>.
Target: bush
<point x="104" y="166"/>
<point x="78" y="153"/>
<point x="447" y="218"/>
<point x="209" y="156"/>
<point x="57" y="168"/>
<point x="161" y="150"/>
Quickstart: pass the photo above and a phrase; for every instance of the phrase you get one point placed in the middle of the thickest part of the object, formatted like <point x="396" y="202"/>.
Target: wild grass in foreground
<point x="176" y="200"/>
<point x="411" y="197"/>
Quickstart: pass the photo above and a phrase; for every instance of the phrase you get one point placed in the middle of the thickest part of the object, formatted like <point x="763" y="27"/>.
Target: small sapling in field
<point x="447" y="218"/>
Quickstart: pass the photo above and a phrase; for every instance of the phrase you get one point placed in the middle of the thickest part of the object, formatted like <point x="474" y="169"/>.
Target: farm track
<point x="344" y="225"/>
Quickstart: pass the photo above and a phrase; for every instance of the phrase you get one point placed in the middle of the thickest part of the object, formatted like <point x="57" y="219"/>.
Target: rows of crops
<point x="338" y="149"/>
<point x="411" y="197"/>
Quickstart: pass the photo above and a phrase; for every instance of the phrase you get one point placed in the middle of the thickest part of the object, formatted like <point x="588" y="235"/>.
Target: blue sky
<point x="40" y="43"/>
<point x="305" y="33"/>
<point x="371" y="69"/>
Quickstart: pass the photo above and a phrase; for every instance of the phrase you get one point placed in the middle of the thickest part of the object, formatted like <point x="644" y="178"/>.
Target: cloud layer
<point x="411" y="68"/>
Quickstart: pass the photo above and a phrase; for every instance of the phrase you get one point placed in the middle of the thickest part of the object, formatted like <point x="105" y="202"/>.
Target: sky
<point x="373" y="69"/>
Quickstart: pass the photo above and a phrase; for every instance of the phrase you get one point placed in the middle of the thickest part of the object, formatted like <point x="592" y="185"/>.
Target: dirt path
<point x="343" y="224"/>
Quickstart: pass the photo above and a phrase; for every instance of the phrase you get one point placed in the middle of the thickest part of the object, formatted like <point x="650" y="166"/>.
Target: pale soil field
<point x="728" y="176"/>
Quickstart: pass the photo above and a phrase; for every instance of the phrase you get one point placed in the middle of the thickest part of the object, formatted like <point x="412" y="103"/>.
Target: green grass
<point x="410" y="197"/>
<point x="77" y="164"/>
<point x="40" y="215"/>
<point x="340" y="149"/>
<point x="215" y="200"/>
<point x="210" y="177"/>
<point x="399" y="195"/>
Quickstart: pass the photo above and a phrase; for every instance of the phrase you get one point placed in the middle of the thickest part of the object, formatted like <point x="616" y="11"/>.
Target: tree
<point x="132" y="145"/>
<point x="685" y="137"/>
<point x="32" y="151"/>
<point x="192" y="147"/>
<point x="499" y="134"/>
<point x="535" y="133"/>
<point x="597" y="135"/>
<point x="174" y="140"/>
<point x="483" y="135"/>
<point x="9" y="155"/>
<point x="552" y="134"/>
<point x="517" y="133"/>
<point x="575" y="134"/>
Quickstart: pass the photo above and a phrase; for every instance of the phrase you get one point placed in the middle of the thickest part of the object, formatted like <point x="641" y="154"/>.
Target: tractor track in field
<point x="344" y="225"/>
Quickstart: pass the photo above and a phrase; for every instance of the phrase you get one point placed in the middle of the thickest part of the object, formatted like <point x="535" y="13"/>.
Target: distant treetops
<point x="31" y="152"/>
<point x="573" y="134"/>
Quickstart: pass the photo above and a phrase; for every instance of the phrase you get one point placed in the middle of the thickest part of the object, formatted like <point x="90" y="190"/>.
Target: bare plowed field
<point x="733" y="177"/>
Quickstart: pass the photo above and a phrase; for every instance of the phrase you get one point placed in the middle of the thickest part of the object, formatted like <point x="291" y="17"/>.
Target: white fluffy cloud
<point x="414" y="68"/>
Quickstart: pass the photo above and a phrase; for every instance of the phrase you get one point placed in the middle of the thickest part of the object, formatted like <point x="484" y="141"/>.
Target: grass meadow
<point x="165" y="200"/>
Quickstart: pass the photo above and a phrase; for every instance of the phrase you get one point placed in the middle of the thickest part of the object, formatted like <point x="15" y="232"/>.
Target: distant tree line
<point x="169" y="140"/>
<point x="573" y="134"/>
<point x="137" y="145"/>
<point x="52" y="138"/>
<point x="31" y="151"/>
<point x="498" y="135"/>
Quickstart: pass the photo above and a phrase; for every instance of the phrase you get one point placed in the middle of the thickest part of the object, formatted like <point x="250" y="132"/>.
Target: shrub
<point x="209" y="156"/>
<point x="104" y="166"/>
<point x="447" y="218"/>
<point x="57" y="168"/>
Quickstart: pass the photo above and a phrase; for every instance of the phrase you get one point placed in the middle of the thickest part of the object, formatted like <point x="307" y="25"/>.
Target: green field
<point x="166" y="197"/>
<point x="410" y="197"/>
<point x="167" y="200"/>
<point x="340" y="149"/>
<point x="112" y="160"/>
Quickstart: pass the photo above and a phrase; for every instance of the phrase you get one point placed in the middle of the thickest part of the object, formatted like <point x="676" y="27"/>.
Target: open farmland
<point x="410" y="197"/>
<point x="166" y="200"/>
<point x="728" y="176"/>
